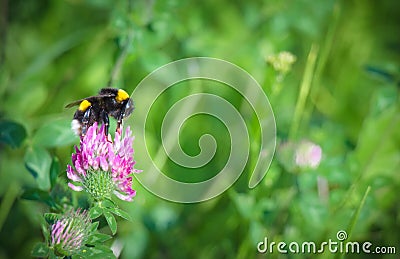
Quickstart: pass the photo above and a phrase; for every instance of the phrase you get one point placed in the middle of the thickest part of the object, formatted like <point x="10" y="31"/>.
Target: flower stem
<point x="304" y="90"/>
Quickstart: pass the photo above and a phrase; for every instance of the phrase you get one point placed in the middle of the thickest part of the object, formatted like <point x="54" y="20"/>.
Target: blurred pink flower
<point x="102" y="167"/>
<point x="308" y="154"/>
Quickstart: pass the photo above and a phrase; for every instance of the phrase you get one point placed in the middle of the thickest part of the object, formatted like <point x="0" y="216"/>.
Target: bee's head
<point x="129" y="107"/>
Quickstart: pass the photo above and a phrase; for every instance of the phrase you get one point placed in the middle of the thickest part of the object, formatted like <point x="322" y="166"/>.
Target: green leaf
<point x="54" y="134"/>
<point x="38" y="162"/>
<point x="108" y="204"/>
<point x="98" y="238"/>
<point x="94" y="227"/>
<point x="39" y="195"/>
<point x="99" y="251"/>
<point x="45" y="230"/>
<point x="12" y="133"/>
<point x="112" y="223"/>
<point x="119" y="212"/>
<point x="51" y="217"/>
<point x="54" y="171"/>
<point x="52" y="255"/>
<point x="95" y="212"/>
<point x="40" y="250"/>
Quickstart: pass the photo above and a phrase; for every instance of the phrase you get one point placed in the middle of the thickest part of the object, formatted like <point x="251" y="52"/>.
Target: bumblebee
<point x="110" y="101"/>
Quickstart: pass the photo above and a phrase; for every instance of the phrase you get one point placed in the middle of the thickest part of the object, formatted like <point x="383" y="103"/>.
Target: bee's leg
<point x="106" y="121"/>
<point x="119" y="119"/>
<point x="118" y="129"/>
<point x="85" y="120"/>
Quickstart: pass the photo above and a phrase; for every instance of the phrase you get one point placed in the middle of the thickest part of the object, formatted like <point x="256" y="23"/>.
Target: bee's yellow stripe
<point x="84" y="105"/>
<point x="121" y="96"/>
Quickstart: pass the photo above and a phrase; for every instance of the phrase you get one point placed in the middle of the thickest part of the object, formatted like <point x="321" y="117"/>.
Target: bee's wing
<point x="77" y="102"/>
<point x="91" y="98"/>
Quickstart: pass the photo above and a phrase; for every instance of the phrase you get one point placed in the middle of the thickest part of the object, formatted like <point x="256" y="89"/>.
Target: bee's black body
<point x="109" y="101"/>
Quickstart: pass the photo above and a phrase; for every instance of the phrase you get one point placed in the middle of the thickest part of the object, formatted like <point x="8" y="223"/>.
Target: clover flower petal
<point x="97" y="161"/>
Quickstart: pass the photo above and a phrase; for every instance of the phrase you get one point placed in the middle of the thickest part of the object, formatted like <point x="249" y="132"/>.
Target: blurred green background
<point x="347" y="53"/>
